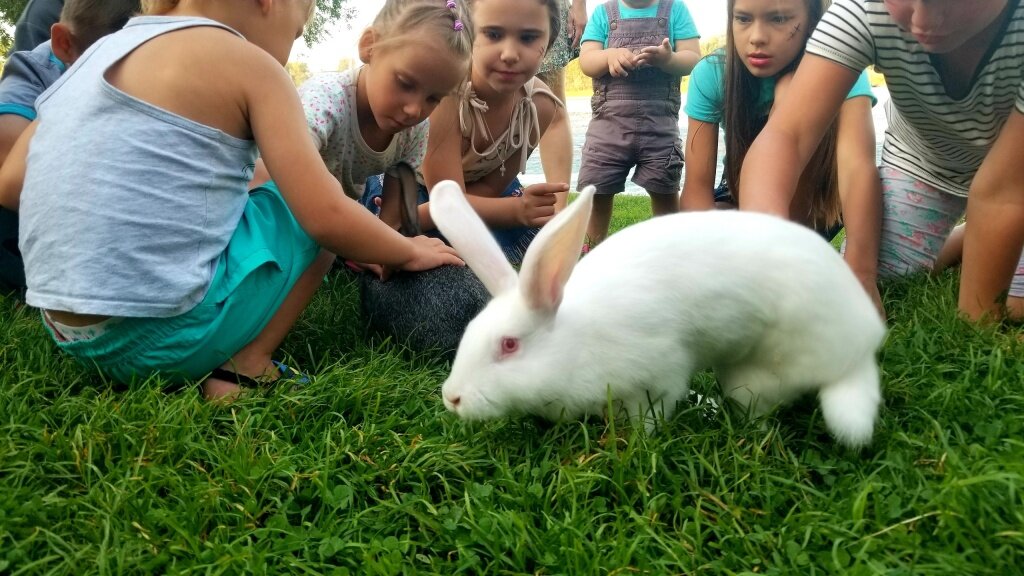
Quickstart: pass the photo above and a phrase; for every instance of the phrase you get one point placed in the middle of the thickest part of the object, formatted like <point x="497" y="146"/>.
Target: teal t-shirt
<point x="680" y="24"/>
<point x="706" y="96"/>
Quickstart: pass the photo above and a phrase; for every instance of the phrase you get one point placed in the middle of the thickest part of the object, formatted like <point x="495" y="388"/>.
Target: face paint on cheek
<point x="796" y="30"/>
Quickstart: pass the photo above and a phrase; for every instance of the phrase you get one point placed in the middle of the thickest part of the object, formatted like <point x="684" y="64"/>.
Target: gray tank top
<point x="126" y="207"/>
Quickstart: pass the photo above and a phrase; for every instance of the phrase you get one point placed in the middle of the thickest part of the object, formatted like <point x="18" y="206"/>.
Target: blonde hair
<point x="90" y="20"/>
<point x="399" y="20"/>
<point x="158" y="7"/>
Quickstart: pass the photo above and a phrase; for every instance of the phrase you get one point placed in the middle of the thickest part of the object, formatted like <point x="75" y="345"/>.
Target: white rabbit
<point x="767" y="303"/>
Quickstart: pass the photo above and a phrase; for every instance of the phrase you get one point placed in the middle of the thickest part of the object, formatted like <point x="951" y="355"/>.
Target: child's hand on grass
<point x="537" y="204"/>
<point x="656" y="55"/>
<point x="620" y="62"/>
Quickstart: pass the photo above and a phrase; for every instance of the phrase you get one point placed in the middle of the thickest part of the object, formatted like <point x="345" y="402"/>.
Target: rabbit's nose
<point x="453" y="400"/>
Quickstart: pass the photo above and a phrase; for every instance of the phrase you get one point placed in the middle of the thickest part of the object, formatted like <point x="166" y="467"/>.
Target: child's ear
<point x="64" y="44"/>
<point x="366" y="41"/>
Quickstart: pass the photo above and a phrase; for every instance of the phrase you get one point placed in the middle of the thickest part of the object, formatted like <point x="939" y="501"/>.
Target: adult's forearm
<point x="769" y="176"/>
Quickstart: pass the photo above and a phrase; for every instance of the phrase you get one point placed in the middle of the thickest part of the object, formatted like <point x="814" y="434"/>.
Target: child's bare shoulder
<point x="209" y="48"/>
<point x="236" y="62"/>
<point x="545" y="101"/>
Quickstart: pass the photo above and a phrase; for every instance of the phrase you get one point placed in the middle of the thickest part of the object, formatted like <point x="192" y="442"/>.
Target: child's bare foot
<point x="228" y="382"/>
<point x="216" y="390"/>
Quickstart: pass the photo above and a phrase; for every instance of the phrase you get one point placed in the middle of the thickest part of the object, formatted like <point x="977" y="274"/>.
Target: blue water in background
<point x="579" y="114"/>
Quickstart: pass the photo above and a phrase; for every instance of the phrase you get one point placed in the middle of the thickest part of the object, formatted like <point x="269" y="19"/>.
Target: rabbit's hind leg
<point x="753" y="387"/>
<point x="850" y="405"/>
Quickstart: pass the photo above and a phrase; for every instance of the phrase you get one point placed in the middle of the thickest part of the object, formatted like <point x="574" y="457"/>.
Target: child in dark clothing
<point x="28" y="73"/>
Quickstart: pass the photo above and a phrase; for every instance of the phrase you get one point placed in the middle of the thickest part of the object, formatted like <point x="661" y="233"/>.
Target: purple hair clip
<point x="457" y="26"/>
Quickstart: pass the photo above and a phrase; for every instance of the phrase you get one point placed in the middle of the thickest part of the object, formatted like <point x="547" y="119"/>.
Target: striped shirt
<point x="933" y="137"/>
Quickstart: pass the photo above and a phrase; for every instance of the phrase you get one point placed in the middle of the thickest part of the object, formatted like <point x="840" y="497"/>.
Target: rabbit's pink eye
<point x="509" y="345"/>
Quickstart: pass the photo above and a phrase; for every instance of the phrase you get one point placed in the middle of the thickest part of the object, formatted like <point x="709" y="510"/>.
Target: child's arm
<point x="596" y="61"/>
<point x="11" y="127"/>
<point x="314" y="196"/>
<point x="860" y="192"/>
<point x="443" y="161"/>
<point x="679" y="62"/>
<point x="701" y="160"/>
<point x="12" y="173"/>
<point x="556" y="149"/>
<point x="577" y="21"/>
<point x="995" y="223"/>
<point x="781" y="151"/>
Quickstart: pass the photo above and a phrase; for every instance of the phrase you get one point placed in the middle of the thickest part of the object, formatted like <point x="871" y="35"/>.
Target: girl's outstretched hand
<point x="538" y="203"/>
<point x="430" y="253"/>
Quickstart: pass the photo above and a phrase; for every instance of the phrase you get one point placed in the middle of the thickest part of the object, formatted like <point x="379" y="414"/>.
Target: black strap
<point x="240" y="379"/>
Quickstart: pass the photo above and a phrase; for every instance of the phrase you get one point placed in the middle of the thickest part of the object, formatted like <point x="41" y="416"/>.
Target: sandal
<point x="294" y="376"/>
<point x="286" y="375"/>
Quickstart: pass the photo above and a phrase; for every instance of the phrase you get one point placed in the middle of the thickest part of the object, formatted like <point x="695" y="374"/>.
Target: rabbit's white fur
<point x="767" y="303"/>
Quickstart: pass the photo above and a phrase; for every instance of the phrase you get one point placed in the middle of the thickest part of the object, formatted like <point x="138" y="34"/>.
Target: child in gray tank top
<point x="75" y="26"/>
<point x="142" y="245"/>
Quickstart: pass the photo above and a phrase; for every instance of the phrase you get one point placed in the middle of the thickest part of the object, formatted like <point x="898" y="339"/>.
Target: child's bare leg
<point x="1015" y="307"/>
<point x="1015" y="301"/>
<point x="254" y="359"/>
<point x="952" y="251"/>
<point x="662" y="204"/>
<point x="390" y="202"/>
<point x="600" y="218"/>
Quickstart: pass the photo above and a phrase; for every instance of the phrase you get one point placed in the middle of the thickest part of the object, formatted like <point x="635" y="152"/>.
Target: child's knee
<point x="1015" y="307"/>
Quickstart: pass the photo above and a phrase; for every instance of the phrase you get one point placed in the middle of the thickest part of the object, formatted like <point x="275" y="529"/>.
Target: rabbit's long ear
<point x="553" y="254"/>
<point x="461" y="225"/>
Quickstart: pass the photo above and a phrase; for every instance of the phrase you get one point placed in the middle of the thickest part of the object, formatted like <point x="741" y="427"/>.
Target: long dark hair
<point x="743" y="122"/>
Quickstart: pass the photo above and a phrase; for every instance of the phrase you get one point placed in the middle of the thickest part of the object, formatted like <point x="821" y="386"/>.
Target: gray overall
<point x="635" y="119"/>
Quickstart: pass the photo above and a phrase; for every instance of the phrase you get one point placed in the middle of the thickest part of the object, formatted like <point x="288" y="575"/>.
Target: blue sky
<point x="709" y="16"/>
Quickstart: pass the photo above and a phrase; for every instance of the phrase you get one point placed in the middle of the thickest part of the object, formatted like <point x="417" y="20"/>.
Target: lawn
<point x="363" y="472"/>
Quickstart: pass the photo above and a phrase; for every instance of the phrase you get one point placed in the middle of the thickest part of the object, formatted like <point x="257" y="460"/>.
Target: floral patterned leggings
<point x="916" y="220"/>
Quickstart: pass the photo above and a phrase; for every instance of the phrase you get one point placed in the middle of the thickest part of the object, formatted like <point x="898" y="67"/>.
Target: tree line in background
<point x="576" y="82"/>
<point x="327" y="11"/>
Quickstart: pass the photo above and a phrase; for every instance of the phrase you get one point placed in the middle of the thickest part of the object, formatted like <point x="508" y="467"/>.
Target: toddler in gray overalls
<point x="635" y="117"/>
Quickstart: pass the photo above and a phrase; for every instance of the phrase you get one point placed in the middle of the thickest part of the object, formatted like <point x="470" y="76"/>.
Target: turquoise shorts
<point x="265" y="257"/>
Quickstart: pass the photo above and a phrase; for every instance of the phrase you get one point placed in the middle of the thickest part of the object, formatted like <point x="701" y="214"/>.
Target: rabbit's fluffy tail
<point x="850" y="405"/>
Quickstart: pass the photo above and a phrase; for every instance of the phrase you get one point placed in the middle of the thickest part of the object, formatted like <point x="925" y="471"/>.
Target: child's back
<point x="50" y="38"/>
<point x="152" y="163"/>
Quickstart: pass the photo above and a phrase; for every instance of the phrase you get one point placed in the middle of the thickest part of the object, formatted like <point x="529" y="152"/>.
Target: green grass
<point x="363" y="472"/>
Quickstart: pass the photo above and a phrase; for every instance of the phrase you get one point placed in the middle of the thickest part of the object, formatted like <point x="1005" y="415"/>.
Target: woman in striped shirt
<point x="956" y="131"/>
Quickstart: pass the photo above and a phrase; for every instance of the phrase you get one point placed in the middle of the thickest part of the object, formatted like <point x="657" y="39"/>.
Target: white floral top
<point x="329" y="101"/>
